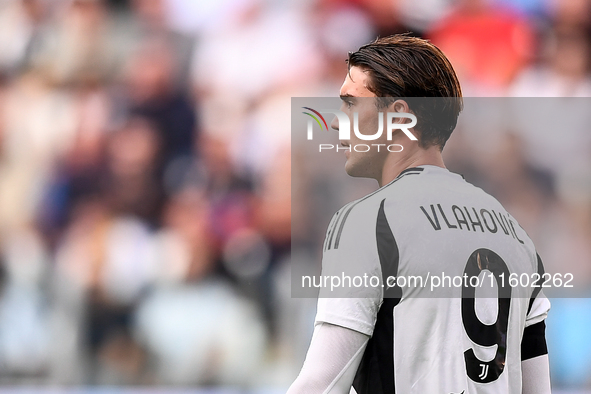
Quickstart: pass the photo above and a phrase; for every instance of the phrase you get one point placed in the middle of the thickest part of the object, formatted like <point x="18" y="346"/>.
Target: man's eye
<point x="348" y="103"/>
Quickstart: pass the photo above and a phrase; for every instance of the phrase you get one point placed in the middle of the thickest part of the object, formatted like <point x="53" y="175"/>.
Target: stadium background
<point x="145" y="191"/>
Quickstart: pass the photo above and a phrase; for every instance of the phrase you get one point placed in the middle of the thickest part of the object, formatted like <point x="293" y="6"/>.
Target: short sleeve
<point x="538" y="311"/>
<point x="539" y="305"/>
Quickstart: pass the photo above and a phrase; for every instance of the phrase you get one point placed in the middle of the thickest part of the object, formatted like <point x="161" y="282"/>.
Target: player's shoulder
<point x="429" y="182"/>
<point x="357" y="219"/>
<point x="424" y="182"/>
<point x="406" y="187"/>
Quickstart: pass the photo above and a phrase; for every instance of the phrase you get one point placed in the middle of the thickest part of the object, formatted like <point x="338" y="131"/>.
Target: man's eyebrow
<point x="346" y="95"/>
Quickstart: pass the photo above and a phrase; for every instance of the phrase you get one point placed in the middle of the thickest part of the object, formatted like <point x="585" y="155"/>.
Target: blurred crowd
<point x="145" y="172"/>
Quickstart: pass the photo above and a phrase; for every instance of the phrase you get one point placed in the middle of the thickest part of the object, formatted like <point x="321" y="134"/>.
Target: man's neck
<point x="394" y="164"/>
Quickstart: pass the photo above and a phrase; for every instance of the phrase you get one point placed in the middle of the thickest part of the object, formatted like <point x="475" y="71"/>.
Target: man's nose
<point x="334" y="124"/>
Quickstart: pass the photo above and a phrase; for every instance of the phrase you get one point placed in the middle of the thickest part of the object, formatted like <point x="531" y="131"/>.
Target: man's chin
<point x="354" y="171"/>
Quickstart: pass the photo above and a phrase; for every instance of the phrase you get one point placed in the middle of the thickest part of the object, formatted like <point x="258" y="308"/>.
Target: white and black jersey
<point x="430" y="221"/>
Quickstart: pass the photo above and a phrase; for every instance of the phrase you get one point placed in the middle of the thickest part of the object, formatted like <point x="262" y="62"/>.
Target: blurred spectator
<point x="419" y="16"/>
<point x="38" y="127"/>
<point x="384" y="14"/>
<point x="24" y="324"/>
<point x="220" y="342"/>
<point x="22" y="30"/>
<point x="523" y="188"/>
<point x="79" y="45"/>
<point x="109" y="261"/>
<point x="79" y="167"/>
<point x="487" y="45"/>
<point x="564" y="69"/>
<point x="133" y="184"/>
<point x="209" y="344"/>
<point x="234" y="60"/>
<point x="151" y="76"/>
<point x="187" y="232"/>
<point x="574" y="13"/>
<point x="151" y="21"/>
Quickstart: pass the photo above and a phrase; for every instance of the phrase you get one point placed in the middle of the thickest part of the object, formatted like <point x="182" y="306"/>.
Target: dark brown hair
<point x="415" y="70"/>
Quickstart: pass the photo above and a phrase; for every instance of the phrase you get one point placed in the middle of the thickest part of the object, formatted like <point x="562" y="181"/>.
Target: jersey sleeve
<point x="351" y="294"/>
<point x="539" y="305"/>
<point x="533" y="342"/>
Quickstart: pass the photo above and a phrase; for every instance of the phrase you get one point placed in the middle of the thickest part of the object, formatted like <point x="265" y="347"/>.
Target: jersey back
<point x="444" y="317"/>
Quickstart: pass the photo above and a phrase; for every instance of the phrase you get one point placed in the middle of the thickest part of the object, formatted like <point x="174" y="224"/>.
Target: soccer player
<point x="422" y="220"/>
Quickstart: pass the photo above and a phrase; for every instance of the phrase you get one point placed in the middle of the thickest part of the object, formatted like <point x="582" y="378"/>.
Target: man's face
<point x="357" y="98"/>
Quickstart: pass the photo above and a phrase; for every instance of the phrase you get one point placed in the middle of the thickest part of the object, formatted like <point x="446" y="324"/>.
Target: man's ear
<point x="399" y="106"/>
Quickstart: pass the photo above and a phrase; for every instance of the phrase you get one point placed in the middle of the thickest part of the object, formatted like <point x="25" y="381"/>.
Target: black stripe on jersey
<point x="408" y="171"/>
<point x="333" y="225"/>
<point x="331" y="228"/>
<point x="533" y="343"/>
<point x="375" y="374"/>
<point x="411" y="169"/>
<point x="538" y="283"/>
